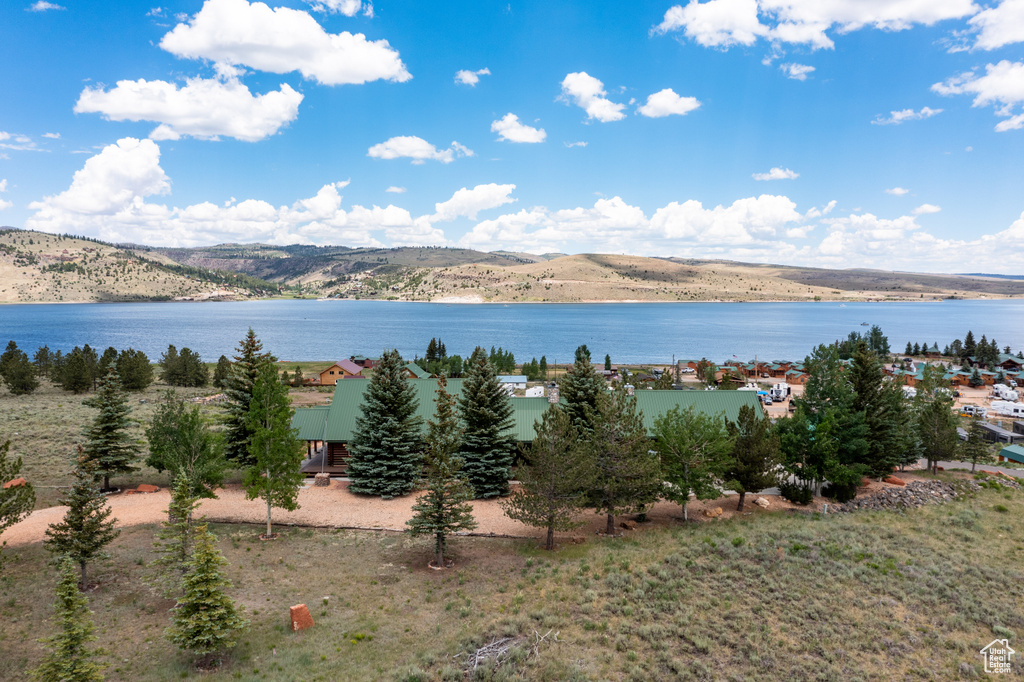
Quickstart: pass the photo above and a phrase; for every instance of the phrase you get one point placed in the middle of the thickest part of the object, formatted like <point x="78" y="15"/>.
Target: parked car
<point x="688" y="370"/>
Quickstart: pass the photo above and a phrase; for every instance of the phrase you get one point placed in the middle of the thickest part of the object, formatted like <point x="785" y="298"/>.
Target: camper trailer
<point x="780" y="392"/>
<point x="1004" y="392"/>
<point x="1006" y="408"/>
<point x="973" y="411"/>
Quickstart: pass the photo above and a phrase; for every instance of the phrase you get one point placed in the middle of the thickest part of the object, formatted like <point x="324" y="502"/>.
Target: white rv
<point x="1004" y="392"/>
<point x="780" y="392"/>
<point x="1006" y="408"/>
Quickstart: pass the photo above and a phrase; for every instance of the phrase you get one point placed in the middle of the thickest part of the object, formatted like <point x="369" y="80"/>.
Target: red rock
<point x="15" y="483"/>
<point x="147" y="488"/>
<point x="940" y="468"/>
<point x="865" y="482"/>
<point x="895" y="481"/>
<point x="301" y="619"/>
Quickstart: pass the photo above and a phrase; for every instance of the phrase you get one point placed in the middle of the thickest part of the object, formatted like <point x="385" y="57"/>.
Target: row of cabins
<point x="958" y="377"/>
<point x="777" y="370"/>
<point x="328" y="429"/>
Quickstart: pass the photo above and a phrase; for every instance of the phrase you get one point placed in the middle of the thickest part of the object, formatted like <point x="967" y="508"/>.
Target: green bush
<point x="796" y="492"/>
<point x="840" y="493"/>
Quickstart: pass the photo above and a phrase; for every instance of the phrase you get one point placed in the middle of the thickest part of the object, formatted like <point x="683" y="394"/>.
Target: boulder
<point x="713" y="513"/>
<point x="147" y="488"/>
<point x="762" y="503"/>
<point x="865" y="482"/>
<point x="14" y="483"/>
<point x="892" y="480"/>
<point x="301" y="618"/>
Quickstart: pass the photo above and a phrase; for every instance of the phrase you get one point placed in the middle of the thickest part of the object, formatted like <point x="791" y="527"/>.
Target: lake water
<point x="629" y="332"/>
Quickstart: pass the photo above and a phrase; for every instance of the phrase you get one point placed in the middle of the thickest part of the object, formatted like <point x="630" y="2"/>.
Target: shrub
<point x="840" y="493"/>
<point x="796" y="493"/>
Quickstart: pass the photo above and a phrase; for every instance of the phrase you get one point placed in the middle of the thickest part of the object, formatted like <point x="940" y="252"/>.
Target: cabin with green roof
<point x="333" y="425"/>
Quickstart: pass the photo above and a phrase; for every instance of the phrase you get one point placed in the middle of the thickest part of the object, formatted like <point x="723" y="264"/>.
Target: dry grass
<point x="851" y="597"/>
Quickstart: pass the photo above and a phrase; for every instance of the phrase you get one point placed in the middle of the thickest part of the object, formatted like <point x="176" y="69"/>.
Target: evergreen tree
<point x="917" y="349"/>
<point x="107" y="360"/>
<point x="975" y="379"/>
<point x="274" y="446"/>
<point x="756" y="454"/>
<point x="205" y="621"/>
<point x="695" y="450"/>
<point x="968" y="346"/>
<point x="881" y="403"/>
<point x="937" y="425"/>
<point x="909" y="350"/>
<point x="108" y="444"/>
<point x="607" y="362"/>
<point x="297" y="379"/>
<point x="41" y="360"/>
<point x="707" y="372"/>
<point x="976" y="450"/>
<point x="238" y="388"/>
<point x="170" y="364"/>
<point x="553" y="487"/>
<point x="444" y="508"/>
<point x="220" y="374"/>
<point x="134" y="369"/>
<point x="627" y="476"/>
<point x="175" y="537"/>
<point x="87" y="527"/>
<point x="180" y="441"/>
<point x="488" y="445"/>
<point x="385" y="448"/>
<point x="432" y="355"/>
<point x="74" y="373"/>
<point x="17" y="371"/>
<point x="580" y="389"/>
<point x="92" y="363"/>
<point x="16" y="502"/>
<point x="69" y="658"/>
<point x="877" y="342"/>
<point x="193" y="369"/>
<point x="543" y="366"/>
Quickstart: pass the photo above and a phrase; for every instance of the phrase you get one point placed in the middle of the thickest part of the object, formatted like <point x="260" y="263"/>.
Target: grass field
<point x="774" y="597"/>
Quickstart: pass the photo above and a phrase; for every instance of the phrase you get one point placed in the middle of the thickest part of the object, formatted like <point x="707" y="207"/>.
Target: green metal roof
<point x="1013" y="452"/>
<point x="310" y="422"/>
<point x="417" y="371"/>
<point x="340" y="421"/>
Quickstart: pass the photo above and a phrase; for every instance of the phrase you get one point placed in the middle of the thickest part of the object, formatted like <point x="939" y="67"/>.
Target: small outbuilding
<point x="1012" y="453"/>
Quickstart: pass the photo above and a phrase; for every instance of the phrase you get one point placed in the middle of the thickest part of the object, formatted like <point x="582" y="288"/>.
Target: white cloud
<point x="580" y="143"/>
<point x="1000" y="25"/>
<point x="349" y="8"/>
<point x="797" y="72"/>
<point x="17" y="142"/>
<point x="394" y="189"/>
<point x="587" y="92"/>
<point x="470" y="78"/>
<point x="52" y="136"/>
<point x="897" y="191"/>
<point x="777" y="173"/>
<point x="666" y="103"/>
<point x="1002" y="86"/>
<point x="417" y="149"/>
<point x="3" y="185"/>
<point x="725" y="23"/>
<point x="510" y="129"/>
<point x="203" y="108"/>
<point x="469" y="202"/>
<point x="4" y="204"/>
<point x="897" y="117"/>
<point x="926" y="208"/>
<point x="282" y="40"/>
<point x="43" y="6"/>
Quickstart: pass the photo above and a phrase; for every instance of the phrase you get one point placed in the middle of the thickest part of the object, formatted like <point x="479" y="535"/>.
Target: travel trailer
<point x="780" y="392"/>
<point x="1006" y="408"/>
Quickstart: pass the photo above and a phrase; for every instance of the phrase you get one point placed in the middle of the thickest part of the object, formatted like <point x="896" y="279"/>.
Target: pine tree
<point x="975" y="379"/>
<point x="628" y="476"/>
<point x="274" y="447"/>
<point x="181" y="442"/>
<point x="881" y="403"/>
<point x="134" y="369"/>
<point x="74" y="373"/>
<point x="695" y="450"/>
<point x="385" y="448"/>
<point x="553" y="488"/>
<point x="543" y="366"/>
<point x="205" y="621"/>
<point x="238" y="387"/>
<point x="755" y="453"/>
<point x="220" y="374"/>
<point x="488" y="445"/>
<point x="87" y="527"/>
<point x="937" y="426"/>
<point x="170" y="367"/>
<point x="107" y="360"/>
<point x="17" y="371"/>
<point x="917" y="349"/>
<point x="969" y="346"/>
<point x="909" y="350"/>
<point x="607" y="362"/>
<point x="17" y="501"/>
<point x="175" y="537"/>
<point x="42" y="360"/>
<point x="976" y="450"/>
<point x="444" y="508"/>
<point x="193" y="371"/>
<point x="69" y="658"/>
<point x="58" y="361"/>
<point x="108" y="444"/>
<point x="92" y="363"/>
<point x="580" y="389"/>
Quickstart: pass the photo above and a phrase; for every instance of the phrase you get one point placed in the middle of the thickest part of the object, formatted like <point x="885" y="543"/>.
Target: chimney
<point x="553" y="394"/>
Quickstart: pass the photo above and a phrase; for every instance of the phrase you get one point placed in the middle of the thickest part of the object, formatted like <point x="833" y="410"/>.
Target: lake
<point x="629" y="332"/>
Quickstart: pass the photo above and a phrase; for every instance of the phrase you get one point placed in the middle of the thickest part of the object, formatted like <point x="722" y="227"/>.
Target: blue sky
<point x="837" y="133"/>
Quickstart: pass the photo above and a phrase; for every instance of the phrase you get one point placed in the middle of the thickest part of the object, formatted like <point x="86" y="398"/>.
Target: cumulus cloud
<point x="926" y="208"/>
<point x="587" y="92"/>
<point x="904" y="115"/>
<point x="797" y="72"/>
<point x="469" y="202"/>
<point x="43" y="6"/>
<point x="470" y="78"/>
<point x="666" y="103"/>
<point x="1002" y="87"/>
<point x="282" y="40"/>
<point x="417" y="149"/>
<point x="1000" y="25"/>
<point x="897" y="191"/>
<point x="394" y="189"/>
<point x="725" y="23"/>
<point x="777" y="173"/>
<point x="203" y="108"/>
<point x="349" y="8"/>
<point x="510" y="129"/>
